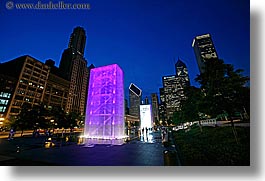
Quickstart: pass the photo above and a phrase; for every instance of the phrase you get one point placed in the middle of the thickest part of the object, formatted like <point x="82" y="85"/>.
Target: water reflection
<point x="90" y="142"/>
<point x="146" y="136"/>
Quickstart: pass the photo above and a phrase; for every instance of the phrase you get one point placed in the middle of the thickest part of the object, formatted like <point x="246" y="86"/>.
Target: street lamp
<point x="52" y="124"/>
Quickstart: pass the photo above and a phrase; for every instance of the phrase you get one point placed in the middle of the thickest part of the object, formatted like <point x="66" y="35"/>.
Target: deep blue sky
<point x="144" y="37"/>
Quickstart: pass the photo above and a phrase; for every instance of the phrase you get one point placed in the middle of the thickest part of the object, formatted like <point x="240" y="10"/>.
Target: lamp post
<point x="52" y="123"/>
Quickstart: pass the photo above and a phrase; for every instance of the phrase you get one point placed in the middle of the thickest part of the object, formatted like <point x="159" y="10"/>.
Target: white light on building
<point x="146" y="116"/>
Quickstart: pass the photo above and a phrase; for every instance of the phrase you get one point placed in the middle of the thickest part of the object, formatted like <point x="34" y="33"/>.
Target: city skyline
<point x="145" y="38"/>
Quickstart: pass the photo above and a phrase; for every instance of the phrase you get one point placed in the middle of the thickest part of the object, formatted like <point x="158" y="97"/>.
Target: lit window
<point x="3" y="101"/>
<point x="2" y="108"/>
<point x="3" y="94"/>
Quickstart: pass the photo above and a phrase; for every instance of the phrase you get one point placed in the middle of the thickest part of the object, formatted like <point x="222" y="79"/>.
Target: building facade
<point x="26" y="80"/>
<point x="7" y="88"/>
<point x="204" y="50"/>
<point x="155" y="107"/>
<point x="135" y="96"/>
<point x="57" y="88"/>
<point x="171" y="97"/>
<point x="172" y="92"/>
<point x="162" y="107"/>
<point x="74" y="68"/>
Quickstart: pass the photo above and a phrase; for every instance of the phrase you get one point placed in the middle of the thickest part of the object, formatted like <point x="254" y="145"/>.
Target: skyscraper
<point x="182" y="72"/>
<point x="135" y="94"/>
<point x="155" y="107"/>
<point x="146" y="101"/>
<point x="78" y="40"/>
<point x="173" y="89"/>
<point x="171" y="97"/>
<point x="74" y="68"/>
<point x="204" y="50"/>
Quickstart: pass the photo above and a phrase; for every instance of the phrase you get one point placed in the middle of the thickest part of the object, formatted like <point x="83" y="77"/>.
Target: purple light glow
<point x="105" y="103"/>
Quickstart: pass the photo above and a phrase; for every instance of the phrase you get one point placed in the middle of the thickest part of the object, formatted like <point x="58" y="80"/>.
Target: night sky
<point x="144" y="37"/>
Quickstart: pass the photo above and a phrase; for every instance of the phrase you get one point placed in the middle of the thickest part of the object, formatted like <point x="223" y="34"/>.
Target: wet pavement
<point x="145" y="150"/>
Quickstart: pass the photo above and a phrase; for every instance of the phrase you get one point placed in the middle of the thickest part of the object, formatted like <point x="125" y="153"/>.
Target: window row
<point x="5" y="94"/>
<point x="2" y="109"/>
<point x="4" y="101"/>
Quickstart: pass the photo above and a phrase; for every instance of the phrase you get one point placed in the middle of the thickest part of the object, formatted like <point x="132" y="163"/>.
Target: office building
<point x="172" y="92"/>
<point x="161" y="106"/>
<point x="204" y="50"/>
<point x="182" y="73"/>
<point x="171" y="97"/>
<point x="155" y="107"/>
<point x="7" y="88"/>
<point x="146" y="101"/>
<point x="135" y="96"/>
<point x="23" y="80"/>
<point x="126" y="106"/>
<point x="74" y="68"/>
<point x="182" y="79"/>
<point x="57" y="88"/>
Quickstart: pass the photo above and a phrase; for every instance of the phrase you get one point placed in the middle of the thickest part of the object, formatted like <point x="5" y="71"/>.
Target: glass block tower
<point x="105" y="103"/>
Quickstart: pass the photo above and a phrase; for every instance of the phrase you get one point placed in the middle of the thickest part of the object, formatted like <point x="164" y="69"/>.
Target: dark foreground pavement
<point x="31" y="151"/>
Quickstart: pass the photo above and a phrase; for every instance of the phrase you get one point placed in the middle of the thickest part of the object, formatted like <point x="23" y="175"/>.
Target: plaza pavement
<point x="146" y="150"/>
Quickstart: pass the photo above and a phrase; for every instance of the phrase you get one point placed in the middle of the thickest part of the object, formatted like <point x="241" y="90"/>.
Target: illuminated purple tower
<point x="105" y="103"/>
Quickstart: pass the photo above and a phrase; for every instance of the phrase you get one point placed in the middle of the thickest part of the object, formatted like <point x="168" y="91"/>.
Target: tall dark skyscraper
<point x="172" y="92"/>
<point x="204" y="50"/>
<point x="155" y="107"/>
<point x="78" y="40"/>
<point x="74" y="67"/>
<point x="135" y="96"/>
<point x="182" y="74"/>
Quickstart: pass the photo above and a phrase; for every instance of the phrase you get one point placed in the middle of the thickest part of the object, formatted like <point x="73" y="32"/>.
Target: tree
<point x="25" y="119"/>
<point x="193" y="104"/>
<point x="178" y="118"/>
<point x="223" y="88"/>
<point x="72" y="119"/>
<point x="39" y="114"/>
<point x="59" y="116"/>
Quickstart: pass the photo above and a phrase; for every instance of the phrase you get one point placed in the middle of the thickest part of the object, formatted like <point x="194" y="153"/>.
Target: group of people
<point x="164" y="134"/>
<point x="146" y="130"/>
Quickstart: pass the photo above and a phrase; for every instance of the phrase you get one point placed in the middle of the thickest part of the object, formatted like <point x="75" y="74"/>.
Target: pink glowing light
<point x="105" y="103"/>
